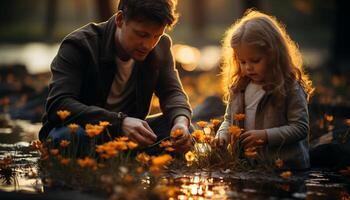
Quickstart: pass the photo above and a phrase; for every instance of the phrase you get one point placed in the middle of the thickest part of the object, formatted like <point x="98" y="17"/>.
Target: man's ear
<point x="119" y="20"/>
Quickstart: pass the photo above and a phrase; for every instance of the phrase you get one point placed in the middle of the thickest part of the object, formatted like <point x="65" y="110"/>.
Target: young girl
<point x="265" y="81"/>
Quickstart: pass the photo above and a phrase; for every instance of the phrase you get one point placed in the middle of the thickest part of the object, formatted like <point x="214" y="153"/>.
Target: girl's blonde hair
<point x="267" y="34"/>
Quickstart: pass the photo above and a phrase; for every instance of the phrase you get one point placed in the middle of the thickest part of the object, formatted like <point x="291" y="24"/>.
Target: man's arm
<point x="68" y="69"/>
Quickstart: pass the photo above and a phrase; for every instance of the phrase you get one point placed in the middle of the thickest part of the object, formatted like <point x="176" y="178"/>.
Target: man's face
<point x="138" y="38"/>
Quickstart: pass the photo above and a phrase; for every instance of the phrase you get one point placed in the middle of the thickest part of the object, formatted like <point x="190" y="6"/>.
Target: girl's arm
<point x="298" y="120"/>
<point x="222" y="133"/>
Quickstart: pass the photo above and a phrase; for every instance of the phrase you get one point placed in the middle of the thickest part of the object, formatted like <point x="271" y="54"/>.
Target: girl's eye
<point x="242" y="62"/>
<point x="256" y="60"/>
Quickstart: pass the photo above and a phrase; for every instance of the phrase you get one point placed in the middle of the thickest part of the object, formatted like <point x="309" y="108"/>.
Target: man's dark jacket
<point x="83" y="72"/>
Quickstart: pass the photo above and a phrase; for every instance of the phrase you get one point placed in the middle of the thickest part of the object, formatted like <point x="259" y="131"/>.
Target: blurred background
<point x="30" y="33"/>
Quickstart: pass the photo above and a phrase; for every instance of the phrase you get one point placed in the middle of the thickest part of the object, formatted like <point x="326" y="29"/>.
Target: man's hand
<point x="183" y="143"/>
<point x="139" y="131"/>
<point x="253" y="138"/>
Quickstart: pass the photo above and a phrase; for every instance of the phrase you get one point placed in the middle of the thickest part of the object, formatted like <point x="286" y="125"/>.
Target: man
<point x="109" y="72"/>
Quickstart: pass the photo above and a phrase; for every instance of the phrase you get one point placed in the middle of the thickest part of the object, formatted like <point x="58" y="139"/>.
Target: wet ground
<point x="224" y="184"/>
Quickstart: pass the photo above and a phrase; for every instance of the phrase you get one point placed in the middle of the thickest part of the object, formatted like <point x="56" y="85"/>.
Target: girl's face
<point x="253" y="62"/>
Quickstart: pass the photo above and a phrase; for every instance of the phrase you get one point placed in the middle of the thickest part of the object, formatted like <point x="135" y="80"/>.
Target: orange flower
<point x="87" y="162"/>
<point x="155" y="170"/>
<point x="208" y="138"/>
<point x="124" y="138"/>
<point x="166" y="143"/>
<point x="198" y="135"/>
<point x="65" y="161"/>
<point x="286" y="174"/>
<point x="190" y="156"/>
<point x="235" y="131"/>
<point x="132" y="145"/>
<point x="104" y="124"/>
<point x="64" y="143"/>
<point x="176" y="133"/>
<point x="139" y="170"/>
<point x="63" y="114"/>
<point x="259" y="141"/>
<point x="54" y="152"/>
<point x="279" y="163"/>
<point x="143" y="158"/>
<point x="347" y="122"/>
<point x="202" y="124"/>
<point x="93" y="130"/>
<point x="170" y="149"/>
<point x="346" y="171"/>
<point x="328" y="118"/>
<point x="215" y="122"/>
<point x="128" y="178"/>
<point x="119" y="145"/>
<point x="73" y="128"/>
<point x="250" y="152"/>
<point x="239" y="117"/>
<point x="36" y="145"/>
<point x="161" y="160"/>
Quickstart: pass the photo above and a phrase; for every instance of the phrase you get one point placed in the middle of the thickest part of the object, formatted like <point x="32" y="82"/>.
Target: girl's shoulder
<point x="296" y="88"/>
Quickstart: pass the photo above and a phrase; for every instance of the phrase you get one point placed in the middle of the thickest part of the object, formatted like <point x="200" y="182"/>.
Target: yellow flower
<point x="73" y="128"/>
<point x="202" y="124"/>
<point x="286" y="174"/>
<point x="93" y="130"/>
<point x="198" y="135"/>
<point x="176" y="133"/>
<point x="132" y="145"/>
<point x="64" y="143"/>
<point x="63" y="114"/>
<point x="166" y="143"/>
<point x="235" y="131"/>
<point x="65" y="161"/>
<point x="170" y="149"/>
<point x="87" y="162"/>
<point x="279" y="163"/>
<point x="250" y="152"/>
<point x="215" y="122"/>
<point x="239" y="117"/>
<point x="143" y="158"/>
<point x="54" y="152"/>
<point x="190" y="156"/>
<point x="161" y="160"/>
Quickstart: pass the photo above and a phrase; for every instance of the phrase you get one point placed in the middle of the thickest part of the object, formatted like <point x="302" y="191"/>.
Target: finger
<point x="146" y="134"/>
<point x="245" y="135"/>
<point x="246" y="141"/>
<point x="145" y="124"/>
<point x="182" y="140"/>
<point x="139" y="139"/>
<point x="221" y="142"/>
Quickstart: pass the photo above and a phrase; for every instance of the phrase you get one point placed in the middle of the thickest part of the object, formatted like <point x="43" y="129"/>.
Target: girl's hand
<point x="219" y="142"/>
<point x="253" y="138"/>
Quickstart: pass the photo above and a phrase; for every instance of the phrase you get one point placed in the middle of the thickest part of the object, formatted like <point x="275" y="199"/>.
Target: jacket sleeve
<point x="223" y="130"/>
<point x="298" y="120"/>
<point x="172" y="98"/>
<point x="68" y="70"/>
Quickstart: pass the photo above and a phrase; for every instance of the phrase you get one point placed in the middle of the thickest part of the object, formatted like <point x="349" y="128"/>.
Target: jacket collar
<point x="108" y="50"/>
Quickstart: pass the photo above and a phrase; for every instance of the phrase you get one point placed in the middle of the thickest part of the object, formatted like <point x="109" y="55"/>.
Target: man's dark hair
<point x="159" y="11"/>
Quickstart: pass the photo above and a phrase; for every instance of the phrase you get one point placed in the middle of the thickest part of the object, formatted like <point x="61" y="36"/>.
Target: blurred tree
<point x="51" y="12"/>
<point x="341" y="45"/>
<point x="198" y="8"/>
<point x="104" y="9"/>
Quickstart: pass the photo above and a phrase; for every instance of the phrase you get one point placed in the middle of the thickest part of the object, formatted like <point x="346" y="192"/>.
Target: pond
<point x="191" y="184"/>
